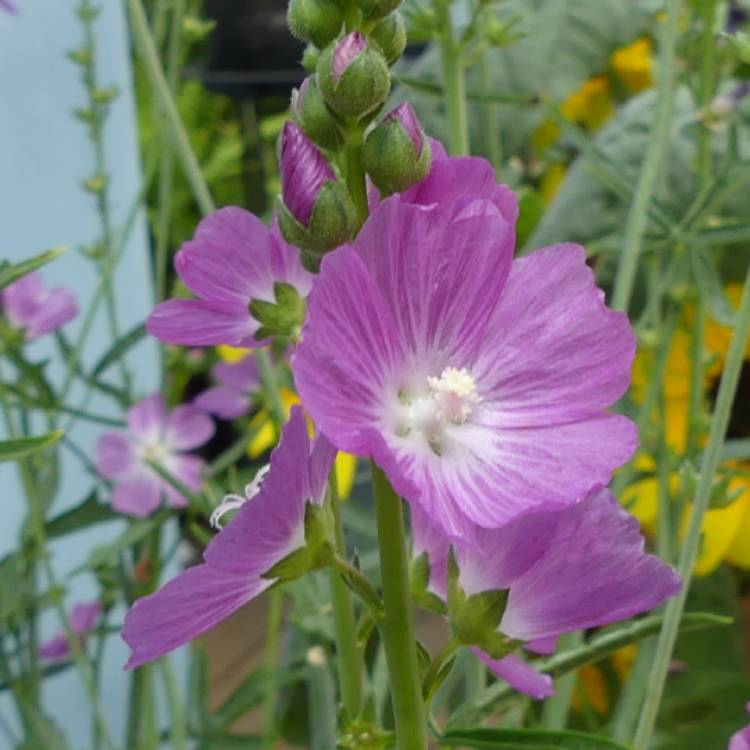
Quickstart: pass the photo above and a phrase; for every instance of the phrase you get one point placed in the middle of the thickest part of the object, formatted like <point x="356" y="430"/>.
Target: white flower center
<point x="233" y="502"/>
<point x="448" y="400"/>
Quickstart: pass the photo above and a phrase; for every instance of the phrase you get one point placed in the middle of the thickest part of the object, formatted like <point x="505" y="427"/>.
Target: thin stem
<point x="355" y="177"/>
<point x="691" y="546"/>
<point x="160" y="87"/>
<point x="557" y="709"/>
<point x="493" y="131"/>
<point x="454" y="80"/>
<point x="271" y="659"/>
<point x="270" y="385"/>
<point x="177" y="724"/>
<point x="349" y="660"/>
<point x="706" y="86"/>
<point x="397" y="626"/>
<point x="696" y="377"/>
<point x="442" y="656"/>
<point x="657" y="148"/>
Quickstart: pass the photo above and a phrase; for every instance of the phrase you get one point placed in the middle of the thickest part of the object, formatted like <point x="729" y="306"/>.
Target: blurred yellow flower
<point x="591" y="104"/>
<point x="726" y="530"/>
<point x="633" y="64"/>
<point x="232" y="354"/>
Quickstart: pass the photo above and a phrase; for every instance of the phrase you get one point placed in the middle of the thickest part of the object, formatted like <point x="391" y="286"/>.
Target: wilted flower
<point x="478" y="384"/>
<point x="231" y="398"/>
<point x="233" y="259"/>
<point x="29" y="306"/>
<point x="153" y="434"/>
<point x="272" y="529"/>
<point x="82" y="622"/>
<point x="553" y="571"/>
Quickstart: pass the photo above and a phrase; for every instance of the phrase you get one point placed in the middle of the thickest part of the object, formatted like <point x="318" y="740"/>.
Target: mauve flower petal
<point x="594" y="572"/>
<point x="56" y="308"/>
<point x="428" y="538"/>
<point x="519" y="675"/>
<point x="114" y="455"/>
<point x="544" y="646"/>
<point x="271" y="525"/>
<point x="582" y="352"/>
<point x="187" y="428"/>
<point x="147" y="418"/>
<point x="187" y="469"/>
<point x="55" y="649"/>
<point x="741" y="739"/>
<point x="138" y="495"/>
<point x="224" y="402"/>
<point x="84" y="617"/>
<point x="242" y="376"/>
<point x="8" y="6"/>
<point x="186" y="607"/>
<point x="199" y="323"/>
<point x="304" y="171"/>
<point x="347" y="50"/>
<point x="228" y="260"/>
<point x="321" y="460"/>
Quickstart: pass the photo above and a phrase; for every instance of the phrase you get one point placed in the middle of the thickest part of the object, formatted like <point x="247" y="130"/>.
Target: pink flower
<point x="8" y="6"/>
<point x="478" y="383"/>
<point x="82" y="622"/>
<point x="36" y="310"/>
<point x="160" y="436"/>
<point x="233" y="259"/>
<point x="741" y="740"/>
<point x="231" y="398"/>
<point x="566" y="569"/>
<point x="266" y="530"/>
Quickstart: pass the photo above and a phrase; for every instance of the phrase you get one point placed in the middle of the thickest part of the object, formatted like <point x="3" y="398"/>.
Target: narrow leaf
<point x="527" y="739"/>
<point x="119" y="349"/>
<point x="12" y="450"/>
<point x="87" y="513"/>
<point x="10" y="272"/>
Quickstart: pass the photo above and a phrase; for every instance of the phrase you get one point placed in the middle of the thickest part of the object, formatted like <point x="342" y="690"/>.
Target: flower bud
<point x="397" y="154"/>
<point x="375" y="9"/>
<point x="313" y="115"/>
<point x="353" y="76"/>
<point x="315" y="212"/>
<point x="310" y="58"/>
<point x="316" y="21"/>
<point x="390" y="36"/>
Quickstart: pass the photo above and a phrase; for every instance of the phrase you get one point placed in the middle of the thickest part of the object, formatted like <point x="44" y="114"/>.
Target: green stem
<point x="696" y="377"/>
<point x="454" y="80"/>
<point x="160" y="86"/>
<point x="178" y="728"/>
<point x="657" y="148"/>
<point x="706" y="86"/>
<point x="397" y="626"/>
<point x="274" y="622"/>
<point x="557" y="709"/>
<point x="442" y="656"/>
<point x="493" y="131"/>
<point x="355" y="177"/>
<point x="691" y="546"/>
<point x="349" y="660"/>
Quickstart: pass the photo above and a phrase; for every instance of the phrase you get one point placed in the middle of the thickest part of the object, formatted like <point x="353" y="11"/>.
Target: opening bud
<point x="372" y="10"/>
<point x="353" y="76"/>
<point x="313" y="115"/>
<point x="315" y="211"/>
<point x="390" y="36"/>
<point x="316" y="21"/>
<point x="397" y="154"/>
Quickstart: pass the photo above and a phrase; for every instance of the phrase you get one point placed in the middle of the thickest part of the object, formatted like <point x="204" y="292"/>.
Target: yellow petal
<point x="232" y="354"/>
<point x="642" y="500"/>
<point x="265" y="437"/>
<point x="545" y="135"/>
<point x="551" y="182"/>
<point x="591" y="680"/>
<point x="623" y="659"/>
<point x="739" y="552"/>
<point x="346" y="470"/>
<point x="720" y="527"/>
<point x="633" y="64"/>
<point x="590" y="105"/>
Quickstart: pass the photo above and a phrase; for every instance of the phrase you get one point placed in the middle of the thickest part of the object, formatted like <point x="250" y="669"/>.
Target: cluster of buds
<point x="351" y="47"/>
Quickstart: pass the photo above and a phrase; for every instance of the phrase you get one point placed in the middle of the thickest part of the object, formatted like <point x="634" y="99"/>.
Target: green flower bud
<point x="353" y="76"/>
<point x="390" y="36"/>
<point x="316" y="21"/>
<point x="372" y="10"/>
<point x="310" y="58"/>
<point x="313" y="115"/>
<point x="397" y="154"/>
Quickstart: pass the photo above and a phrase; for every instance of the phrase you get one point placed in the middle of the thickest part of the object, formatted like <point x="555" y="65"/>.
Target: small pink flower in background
<point x="268" y="527"/>
<point x="153" y="434"/>
<point x="233" y="259"/>
<point x="741" y="740"/>
<point x="30" y="306"/>
<point x="566" y="569"/>
<point x="231" y="398"/>
<point x="8" y="6"/>
<point x="477" y="382"/>
<point x="82" y="621"/>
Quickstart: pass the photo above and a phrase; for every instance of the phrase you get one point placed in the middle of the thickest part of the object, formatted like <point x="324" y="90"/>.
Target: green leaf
<point x="12" y="450"/>
<point x="527" y="739"/>
<point x="87" y="513"/>
<point x="41" y="732"/>
<point x="106" y="554"/>
<point x="597" y="648"/>
<point x="10" y="272"/>
<point x="119" y="348"/>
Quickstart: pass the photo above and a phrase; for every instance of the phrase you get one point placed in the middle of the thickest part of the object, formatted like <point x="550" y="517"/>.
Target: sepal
<point x="373" y="10"/>
<point x="316" y="21"/>
<point x="314" y="117"/>
<point x="284" y="317"/>
<point x="419" y="581"/>
<point x="390" y="36"/>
